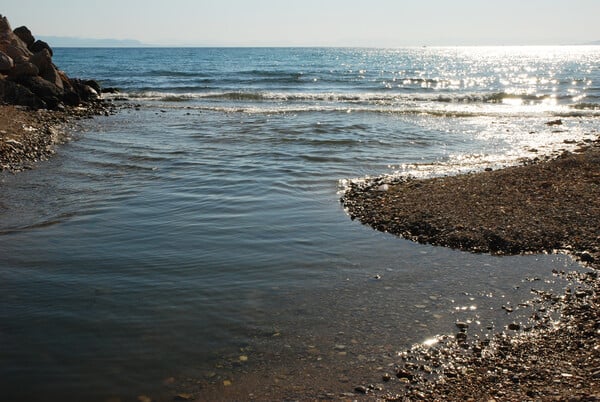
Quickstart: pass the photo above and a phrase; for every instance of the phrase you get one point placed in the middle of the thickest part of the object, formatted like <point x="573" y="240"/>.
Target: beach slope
<point x="542" y="206"/>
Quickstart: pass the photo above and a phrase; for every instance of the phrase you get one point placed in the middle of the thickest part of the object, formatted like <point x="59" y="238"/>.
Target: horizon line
<point x="77" y="42"/>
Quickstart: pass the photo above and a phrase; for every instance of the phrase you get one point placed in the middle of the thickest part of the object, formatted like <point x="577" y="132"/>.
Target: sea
<point x="194" y="242"/>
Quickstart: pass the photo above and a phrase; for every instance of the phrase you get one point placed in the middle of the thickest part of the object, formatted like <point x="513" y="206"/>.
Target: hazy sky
<point x="314" y="22"/>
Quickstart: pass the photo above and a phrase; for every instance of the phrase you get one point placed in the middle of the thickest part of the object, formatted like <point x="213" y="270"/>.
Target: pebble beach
<point x="542" y="206"/>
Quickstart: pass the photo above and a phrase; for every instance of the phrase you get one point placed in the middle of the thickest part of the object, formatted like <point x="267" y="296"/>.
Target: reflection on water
<point x="203" y="239"/>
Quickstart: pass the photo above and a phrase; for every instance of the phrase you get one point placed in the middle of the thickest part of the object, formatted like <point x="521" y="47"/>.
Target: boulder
<point x="40" y="45"/>
<point x="25" y="35"/>
<point x="94" y="85"/>
<point x="15" y="50"/>
<point x="6" y="62"/>
<point x="47" y="91"/>
<point x="85" y="91"/>
<point x="51" y="75"/>
<point x="48" y="71"/>
<point x="24" y="69"/>
<point x="16" y="94"/>
<point x="42" y="60"/>
<point x="4" y="26"/>
<point x="32" y="79"/>
<point x="11" y="44"/>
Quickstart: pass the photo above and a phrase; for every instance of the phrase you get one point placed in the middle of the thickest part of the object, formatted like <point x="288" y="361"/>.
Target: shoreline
<point x="540" y="207"/>
<point x="544" y="360"/>
<point x="30" y="136"/>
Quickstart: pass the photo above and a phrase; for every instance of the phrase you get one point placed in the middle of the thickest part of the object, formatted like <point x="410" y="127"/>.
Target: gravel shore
<point x="29" y="136"/>
<point x="539" y="207"/>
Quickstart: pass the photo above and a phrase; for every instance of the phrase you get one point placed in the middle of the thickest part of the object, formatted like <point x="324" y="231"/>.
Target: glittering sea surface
<point x="198" y="232"/>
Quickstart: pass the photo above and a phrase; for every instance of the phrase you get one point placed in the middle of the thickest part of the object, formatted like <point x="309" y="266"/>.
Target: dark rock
<point x="42" y="60"/>
<point x="47" y="91"/>
<point x="463" y="326"/>
<point x="110" y="90"/>
<point x="17" y="51"/>
<point x="40" y="45"/>
<point x="401" y="373"/>
<point x="361" y="389"/>
<point x="586" y="257"/>
<point x="25" y="35"/>
<point x="24" y="69"/>
<point x="554" y="123"/>
<point x="86" y="93"/>
<point x="514" y="326"/>
<point x="52" y="75"/>
<point x="93" y="84"/>
<point x="6" y="62"/>
<point x="16" y="94"/>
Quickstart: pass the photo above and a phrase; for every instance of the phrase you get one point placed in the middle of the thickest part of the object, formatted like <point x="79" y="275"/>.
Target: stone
<point x="25" y="35"/>
<point x="184" y="397"/>
<point x="361" y="389"/>
<point x="401" y="373"/>
<point x="18" y="52"/>
<point x="6" y="62"/>
<point x="16" y="94"/>
<point x="40" y="45"/>
<point x="42" y="60"/>
<point x="94" y="85"/>
<point x="514" y="326"/>
<point x="463" y="326"/>
<point x="51" y="75"/>
<point x="110" y="90"/>
<point x="24" y="69"/>
<point x="85" y="92"/>
<point x="47" y="91"/>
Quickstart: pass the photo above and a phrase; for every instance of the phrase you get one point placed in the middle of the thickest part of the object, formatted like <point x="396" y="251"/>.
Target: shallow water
<point x="162" y="240"/>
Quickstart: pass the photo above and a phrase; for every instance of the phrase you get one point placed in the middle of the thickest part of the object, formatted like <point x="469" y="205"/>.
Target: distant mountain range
<point x="62" y="41"/>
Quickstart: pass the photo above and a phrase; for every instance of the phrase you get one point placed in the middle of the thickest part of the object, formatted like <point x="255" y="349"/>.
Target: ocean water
<point x="197" y="235"/>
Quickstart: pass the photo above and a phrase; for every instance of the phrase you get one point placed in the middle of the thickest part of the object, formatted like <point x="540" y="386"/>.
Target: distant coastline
<point x="65" y="41"/>
<point x="68" y="41"/>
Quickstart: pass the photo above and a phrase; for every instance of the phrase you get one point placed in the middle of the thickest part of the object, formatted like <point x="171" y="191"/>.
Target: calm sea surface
<point x="198" y="234"/>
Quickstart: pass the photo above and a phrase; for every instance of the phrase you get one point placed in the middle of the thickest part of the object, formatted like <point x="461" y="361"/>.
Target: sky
<point x="371" y="23"/>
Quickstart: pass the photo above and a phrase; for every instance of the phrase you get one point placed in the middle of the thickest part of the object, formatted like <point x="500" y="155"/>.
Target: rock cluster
<point x="28" y="77"/>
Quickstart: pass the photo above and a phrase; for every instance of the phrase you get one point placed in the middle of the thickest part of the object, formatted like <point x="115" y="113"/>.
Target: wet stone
<point x="514" y="326"/>
<point x="463" y="326"/>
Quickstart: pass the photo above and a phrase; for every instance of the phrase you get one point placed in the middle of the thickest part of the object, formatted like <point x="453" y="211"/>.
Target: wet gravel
<point x="29" y="136"/>
<point x="542" y="206"/>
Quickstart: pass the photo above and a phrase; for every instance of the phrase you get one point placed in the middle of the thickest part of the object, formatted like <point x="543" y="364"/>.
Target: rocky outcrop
<point x="28" y="77"/>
